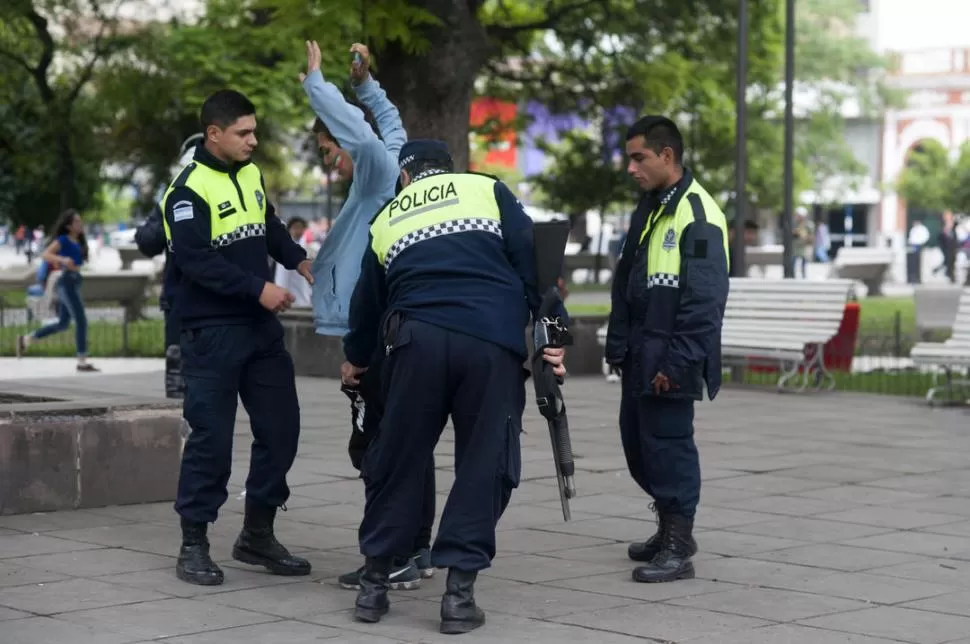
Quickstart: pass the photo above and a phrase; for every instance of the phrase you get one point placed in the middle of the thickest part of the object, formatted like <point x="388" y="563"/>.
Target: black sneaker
<point x="423" y="562"/>
<point x="404" y="576"/>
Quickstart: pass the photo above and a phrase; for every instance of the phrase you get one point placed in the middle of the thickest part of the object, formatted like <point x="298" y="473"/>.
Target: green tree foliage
<point x="680" y="60"/>
<point x="51" y="145"/>
<point x="931" y="181"/>
<point x="582" y="180"/>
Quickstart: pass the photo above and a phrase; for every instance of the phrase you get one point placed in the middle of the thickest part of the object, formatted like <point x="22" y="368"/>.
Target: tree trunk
<point x="433" y="90"/>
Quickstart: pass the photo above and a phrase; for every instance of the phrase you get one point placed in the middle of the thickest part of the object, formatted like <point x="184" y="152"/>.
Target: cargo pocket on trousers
<point x="512" y="465"/>
<point x="387" y="364"/>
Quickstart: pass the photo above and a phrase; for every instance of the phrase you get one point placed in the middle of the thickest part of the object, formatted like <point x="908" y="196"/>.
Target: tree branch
<point x="39" y="72"/>
<point x="552" y="18"/>
<point x="96" y="55"/>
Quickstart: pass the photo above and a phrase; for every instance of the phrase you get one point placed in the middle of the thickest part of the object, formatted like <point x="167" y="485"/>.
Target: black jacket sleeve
<point x="192" y="251"/>
<point x="150" y="236"/>
<point x="281" y="246"/>
<point x="368" y="305"/>
<point x="618" y="327"/>
<point x="704" y="285"/>
<point x="519" y="241"/>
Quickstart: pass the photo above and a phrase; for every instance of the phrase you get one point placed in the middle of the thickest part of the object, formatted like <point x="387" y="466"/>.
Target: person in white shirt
<point x="291" y="280"/>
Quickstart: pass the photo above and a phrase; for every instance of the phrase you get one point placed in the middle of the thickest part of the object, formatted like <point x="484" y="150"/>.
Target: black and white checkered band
<point x="479" y="224"/>
<point x="243" y="232"/>
<point x="663" y="279"/>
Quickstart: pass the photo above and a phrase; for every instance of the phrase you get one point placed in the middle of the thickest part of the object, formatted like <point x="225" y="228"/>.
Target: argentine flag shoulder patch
<point x="183" y="210"/>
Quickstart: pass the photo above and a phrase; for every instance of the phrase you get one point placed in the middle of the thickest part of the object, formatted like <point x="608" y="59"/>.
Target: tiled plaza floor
<point x="824" y="519"/>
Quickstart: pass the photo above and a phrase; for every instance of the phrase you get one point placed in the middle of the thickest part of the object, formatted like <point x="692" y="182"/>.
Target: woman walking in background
<point x="67" y="252"/>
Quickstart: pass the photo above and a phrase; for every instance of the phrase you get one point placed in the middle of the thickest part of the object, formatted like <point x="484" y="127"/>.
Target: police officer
<point x="448" y="282"/>
<point x="221" y="230"/>
<point x="664" y="335"/>
<point x="150" y="239"/>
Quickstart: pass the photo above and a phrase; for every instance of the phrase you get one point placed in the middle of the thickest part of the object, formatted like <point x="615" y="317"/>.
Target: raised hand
<point x="360" y="67"/>
<point x="312" y="59"/>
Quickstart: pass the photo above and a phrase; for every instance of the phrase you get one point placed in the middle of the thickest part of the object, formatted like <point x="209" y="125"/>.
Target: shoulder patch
<point x="183" y="210"/>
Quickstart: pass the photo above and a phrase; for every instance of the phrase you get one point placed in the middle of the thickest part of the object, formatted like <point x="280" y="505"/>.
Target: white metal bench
<point x="936" y="306"/>
<point x="953" y="353"/>
<point x="868" y="264"/>
<point x="775" y="320"/>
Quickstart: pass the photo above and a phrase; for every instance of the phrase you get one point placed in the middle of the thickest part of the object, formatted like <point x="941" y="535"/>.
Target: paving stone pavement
<point x="823" y="519"/>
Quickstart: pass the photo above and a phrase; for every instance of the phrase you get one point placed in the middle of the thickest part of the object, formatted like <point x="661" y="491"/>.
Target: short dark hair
<point x="658" y="132"/>
<point x="293" y="221"/>
<point x="224" y="108"/>
<point x="319" y="127"/>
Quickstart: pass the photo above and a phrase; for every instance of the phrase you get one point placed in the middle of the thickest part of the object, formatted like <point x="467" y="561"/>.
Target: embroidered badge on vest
<point x="670" y="240"/>
<point x="259" y="198"/>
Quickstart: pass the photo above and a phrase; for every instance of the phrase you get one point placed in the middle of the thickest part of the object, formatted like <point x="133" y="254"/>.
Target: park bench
<point x="784" y="321"/>
<point x="763" y="256"/>
<point x="868" y="264"/>
<point x="953" y="353"/>
<point x="936" y="307"/>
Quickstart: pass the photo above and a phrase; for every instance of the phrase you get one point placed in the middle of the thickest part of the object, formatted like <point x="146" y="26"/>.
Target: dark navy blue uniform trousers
<point x="221" y="364"/>
<point x="430" y="374"/>
<point x="658" y="441"/>
<point x="366" y="412"/>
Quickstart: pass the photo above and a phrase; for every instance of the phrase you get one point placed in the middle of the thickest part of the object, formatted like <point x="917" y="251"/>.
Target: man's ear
<point x="405" y="178"/>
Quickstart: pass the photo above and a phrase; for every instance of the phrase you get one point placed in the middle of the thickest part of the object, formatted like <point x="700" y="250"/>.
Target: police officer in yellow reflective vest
<point x="221" y="230"/>
<point x="664" y="336"/>
<point x="447" y="287"/>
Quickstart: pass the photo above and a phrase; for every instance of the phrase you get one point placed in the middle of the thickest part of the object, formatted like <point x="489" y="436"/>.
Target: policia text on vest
<point x="221" y="230"/>
<point x="432" y="197"/>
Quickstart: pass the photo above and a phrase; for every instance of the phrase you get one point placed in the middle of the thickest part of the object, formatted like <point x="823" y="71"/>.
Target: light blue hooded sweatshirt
<point x="376" y="171"/>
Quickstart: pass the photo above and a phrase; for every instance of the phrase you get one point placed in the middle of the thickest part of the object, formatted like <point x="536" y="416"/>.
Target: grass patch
<point x="587" y="309"/>
<point x="13" y="299"/>
<point x="146" y="339"/>
<point x="879" y="314"/>
<point x="897" y="383"/>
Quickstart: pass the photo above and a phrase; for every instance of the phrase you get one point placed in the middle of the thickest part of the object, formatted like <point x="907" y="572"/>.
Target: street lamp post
<point x="740" y="172"/>
<point x="786" y="217"/>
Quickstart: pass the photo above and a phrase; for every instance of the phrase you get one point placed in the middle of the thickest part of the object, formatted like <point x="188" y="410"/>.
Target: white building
<point x="930" y="45"/>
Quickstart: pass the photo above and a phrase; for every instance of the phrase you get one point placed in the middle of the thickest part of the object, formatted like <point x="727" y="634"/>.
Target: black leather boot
<point x="644" y="551"/>
<point x="194" y="564"/>
<point x="459" y="614"/>
<point x="372" y="602"/>
<point x="257" y="545"/>
<point x="673" y="561"/>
